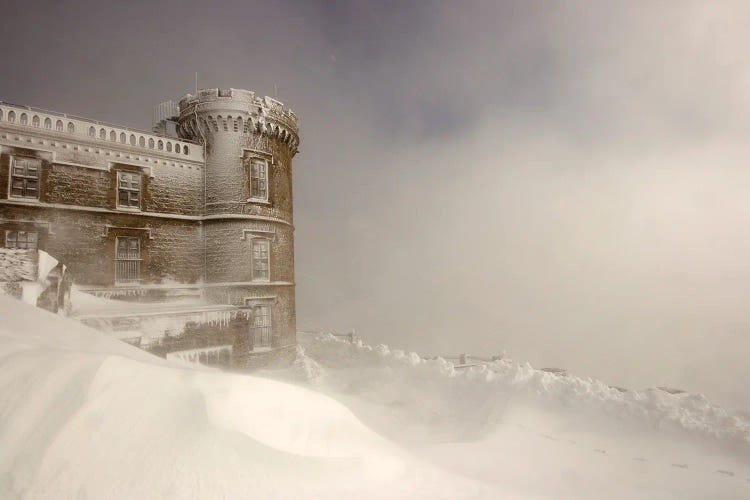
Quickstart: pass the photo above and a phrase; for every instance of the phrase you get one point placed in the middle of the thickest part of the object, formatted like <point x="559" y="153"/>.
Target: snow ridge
<point x="690" y="414"/>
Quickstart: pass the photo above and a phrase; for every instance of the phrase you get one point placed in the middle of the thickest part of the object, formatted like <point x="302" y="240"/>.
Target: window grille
<point x="21" y="239"/>
<point x="25" y="178"/>
<point x="128" y="190"/>
<point x="261" y="259"/>
<point x="260" y="326"/>
<point x="259" y="180"/>
<point x="128" y="260"/>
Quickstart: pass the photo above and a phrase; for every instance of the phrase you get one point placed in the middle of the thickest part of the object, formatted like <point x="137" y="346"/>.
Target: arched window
<point x="102" y="134"/>
<point x="12" y="116"/>
<point x="161" y="145"/>
<point x="1" y="114"/>
<point x="123" y="137"/>
<point x="48" y="124"/>
<point x="185" y="149"/>
<point x="71" y="128"/>
<point x="92" y="132"/>
<point x="142" y="142"/>
<point x="35" y="121"/>
<point x="169" y="147"/>
<point x="151" y="144"/>
<point x="132" y="140"/>
<point x="113" y="136"/>
<point x="24" y="119"/>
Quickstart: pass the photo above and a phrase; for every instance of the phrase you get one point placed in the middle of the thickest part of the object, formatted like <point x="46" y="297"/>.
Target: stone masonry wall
<point x="171" y="251"/>
<point x="168" y="189"/>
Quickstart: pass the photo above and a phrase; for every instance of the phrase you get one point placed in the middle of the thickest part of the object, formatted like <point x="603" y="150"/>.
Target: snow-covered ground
<point x="83" y="415"/>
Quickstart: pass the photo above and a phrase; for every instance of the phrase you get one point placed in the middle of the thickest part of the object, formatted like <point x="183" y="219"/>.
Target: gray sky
<point x="566" y="182"/>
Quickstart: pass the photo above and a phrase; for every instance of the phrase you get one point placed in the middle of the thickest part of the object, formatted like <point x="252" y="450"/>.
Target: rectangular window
<point x="261" y="259"/>
<point x="21" y="239"/>
<point x="260" y="326"/>
<point x="259" y="180"/>
<point x="24" y="178"/>
<point x="127" y="260"/>
<point x="128" y="190"/>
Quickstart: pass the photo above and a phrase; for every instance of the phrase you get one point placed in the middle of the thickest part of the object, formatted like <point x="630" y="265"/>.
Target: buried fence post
<point x="462" y="359"/>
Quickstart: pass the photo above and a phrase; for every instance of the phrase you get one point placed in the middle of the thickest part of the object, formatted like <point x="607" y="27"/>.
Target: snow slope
<point x="85" y="416"/>
<point x="529" y="431"/>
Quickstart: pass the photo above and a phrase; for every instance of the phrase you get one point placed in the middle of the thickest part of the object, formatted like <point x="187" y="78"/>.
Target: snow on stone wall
<point x="205" y="356"/>
<point x="18" y="265"/>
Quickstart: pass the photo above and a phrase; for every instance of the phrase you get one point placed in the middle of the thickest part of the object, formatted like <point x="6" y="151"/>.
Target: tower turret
<point x="248" y="227"/>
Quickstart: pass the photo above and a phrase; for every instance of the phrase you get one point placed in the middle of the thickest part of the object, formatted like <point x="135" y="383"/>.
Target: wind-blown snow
<point x="85" y="416"/>
<point x="690" y="415"/>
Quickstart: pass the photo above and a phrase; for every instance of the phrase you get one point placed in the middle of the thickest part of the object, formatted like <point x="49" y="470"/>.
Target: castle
<point x="189" y="234"/>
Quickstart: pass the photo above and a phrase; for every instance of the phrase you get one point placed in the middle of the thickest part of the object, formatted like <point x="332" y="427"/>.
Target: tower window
<point x="259" y="181"/>
<point x="260" y="326"/>
<point x="128" y="190"/>
<point x="24" y="182"/>
<point x="127" y="260"/>
<point x="261" y="257"/>
<point x="21" y="239"/>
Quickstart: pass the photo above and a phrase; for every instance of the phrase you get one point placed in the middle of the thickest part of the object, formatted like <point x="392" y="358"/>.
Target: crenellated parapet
<point x="214" y="111"/>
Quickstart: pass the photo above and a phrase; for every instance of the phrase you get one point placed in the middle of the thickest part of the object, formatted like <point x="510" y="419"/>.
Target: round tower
<point x="248" y="227"/>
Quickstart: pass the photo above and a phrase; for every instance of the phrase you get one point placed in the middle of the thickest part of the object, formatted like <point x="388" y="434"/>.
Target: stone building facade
<point x="206" y="214"/>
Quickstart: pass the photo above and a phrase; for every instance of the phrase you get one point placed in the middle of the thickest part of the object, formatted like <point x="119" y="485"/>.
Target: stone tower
<point x="247" y="228"/>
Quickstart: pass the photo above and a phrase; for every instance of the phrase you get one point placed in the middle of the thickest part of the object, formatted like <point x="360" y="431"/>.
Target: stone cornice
<point x="157" y="215"/>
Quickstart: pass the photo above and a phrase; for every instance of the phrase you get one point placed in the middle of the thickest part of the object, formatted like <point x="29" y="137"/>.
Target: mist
<point x="564" y="183"/>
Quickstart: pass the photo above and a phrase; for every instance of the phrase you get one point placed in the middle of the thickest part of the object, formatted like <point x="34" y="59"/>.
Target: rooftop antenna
<point x="275" y="92"/>
<point x="196" y="83"/>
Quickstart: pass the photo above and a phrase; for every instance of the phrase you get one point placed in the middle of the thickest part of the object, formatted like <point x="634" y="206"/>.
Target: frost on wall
<point x="216" y="355"/>
<point x="18" y="265"/>
<point x="152" y="329"/>
<point x="24" y="273"/>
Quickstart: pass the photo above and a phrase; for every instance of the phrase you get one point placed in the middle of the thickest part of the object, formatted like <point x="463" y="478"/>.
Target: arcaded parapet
<point x="68" y="129"/>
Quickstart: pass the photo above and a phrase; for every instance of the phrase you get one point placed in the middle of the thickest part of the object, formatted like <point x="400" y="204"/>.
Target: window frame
<point x="129" y="190"/>
<point x="136" y="261"/>
<point x="253" y="276"/>
<point x="12" y="176"/>
<point x="261" y="335"/>
<point x="264" y="178"/>
<point x="17" y="239"/>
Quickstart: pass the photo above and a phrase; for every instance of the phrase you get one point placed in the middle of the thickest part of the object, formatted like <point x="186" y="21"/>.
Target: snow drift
<point x="478" y="395"/>
<point x="85" y="416"/>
